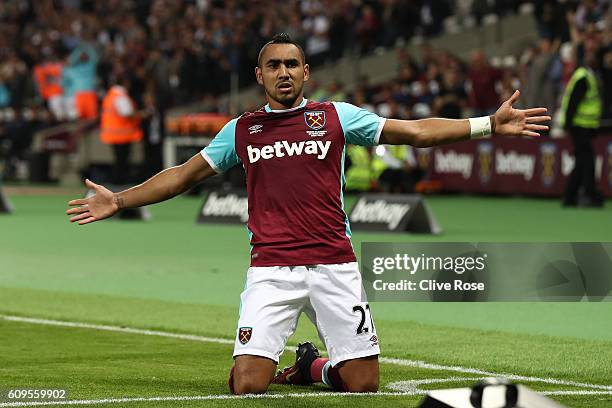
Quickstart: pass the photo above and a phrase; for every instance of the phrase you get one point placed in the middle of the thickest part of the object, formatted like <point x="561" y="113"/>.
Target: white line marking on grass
<point x="576" y="392"/>
<point x="607" y="389"/>
<point x="257" y="396"/>
<point x="119" y="329"/>
<point x="413" y="386"/>
<point x="465" y="370"/>
<point x="206" y="398"/>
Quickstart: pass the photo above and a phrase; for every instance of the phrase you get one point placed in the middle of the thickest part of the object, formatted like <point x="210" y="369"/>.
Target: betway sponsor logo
<point x="453" y="162"/>
<point x="514" y="163"/>
<point x="230" y="205"/>
<point x="284" y="148"/>
<point x="379" y="211"/>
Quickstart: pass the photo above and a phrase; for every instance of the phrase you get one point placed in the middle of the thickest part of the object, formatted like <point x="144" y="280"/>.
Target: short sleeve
<point x="221" y="152"/>
<point x="361" y="127"/>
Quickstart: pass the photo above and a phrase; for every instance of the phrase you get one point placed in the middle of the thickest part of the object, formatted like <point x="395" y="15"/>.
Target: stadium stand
<point x="394" y="56"/>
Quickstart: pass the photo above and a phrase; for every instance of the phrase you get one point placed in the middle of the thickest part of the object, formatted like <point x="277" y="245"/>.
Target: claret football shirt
<point x="294" y="165"/>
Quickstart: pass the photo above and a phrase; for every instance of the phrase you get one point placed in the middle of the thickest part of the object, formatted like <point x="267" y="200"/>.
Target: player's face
<point x="282" y="74"/>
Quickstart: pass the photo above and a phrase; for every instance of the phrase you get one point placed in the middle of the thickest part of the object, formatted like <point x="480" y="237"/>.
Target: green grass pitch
<point x="177" y="278"/>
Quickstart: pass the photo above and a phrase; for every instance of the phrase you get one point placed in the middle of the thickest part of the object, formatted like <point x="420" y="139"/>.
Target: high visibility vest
<point x="114" y="128"/>
<point x="358" y="175"/>
<point x="378" y="164"/>
<point x="49" y="79"/>
<point x="589" y="109"/>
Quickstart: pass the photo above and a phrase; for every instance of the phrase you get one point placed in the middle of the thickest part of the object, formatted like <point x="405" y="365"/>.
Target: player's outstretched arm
<point x="507" y="121"/>
<point x="164" y="185"/>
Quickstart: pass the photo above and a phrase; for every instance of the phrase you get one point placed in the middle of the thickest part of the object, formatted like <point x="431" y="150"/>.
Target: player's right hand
<point x="99" y="206"/>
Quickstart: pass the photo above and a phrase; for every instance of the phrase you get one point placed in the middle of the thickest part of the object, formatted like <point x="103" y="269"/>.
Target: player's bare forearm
<point x="507" y="121"/>
<point x="162" y="186"/>
<point x="166" y="184"/>
<point x="425" y="132"/>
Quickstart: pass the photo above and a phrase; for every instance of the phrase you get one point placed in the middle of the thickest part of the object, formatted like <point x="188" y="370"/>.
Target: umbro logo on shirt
<point x="255" y="129"/>
<point x="284" y="148"/>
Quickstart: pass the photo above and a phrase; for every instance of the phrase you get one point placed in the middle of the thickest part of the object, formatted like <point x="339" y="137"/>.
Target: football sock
<point x="322" y="371"/>
<point x="316" y="369"/>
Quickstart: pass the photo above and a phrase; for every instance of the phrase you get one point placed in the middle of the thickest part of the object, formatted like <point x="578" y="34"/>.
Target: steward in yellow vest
<point x="396" y="168"/>
<point x="580" y="114"/>
<point x="585" y="109"/>
<point x="357" y="175"/>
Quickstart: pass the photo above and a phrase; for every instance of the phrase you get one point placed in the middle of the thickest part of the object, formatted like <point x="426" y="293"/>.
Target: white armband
<point x="480" y="127"/>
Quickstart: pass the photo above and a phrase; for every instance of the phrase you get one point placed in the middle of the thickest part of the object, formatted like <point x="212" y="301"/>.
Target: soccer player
<point x="292" y="150"/>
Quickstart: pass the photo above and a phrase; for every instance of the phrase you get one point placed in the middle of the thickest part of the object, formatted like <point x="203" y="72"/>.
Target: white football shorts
<point x="332" y="297"/>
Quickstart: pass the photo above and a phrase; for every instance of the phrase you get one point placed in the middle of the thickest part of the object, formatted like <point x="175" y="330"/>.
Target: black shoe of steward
<point x="299" y="373"/>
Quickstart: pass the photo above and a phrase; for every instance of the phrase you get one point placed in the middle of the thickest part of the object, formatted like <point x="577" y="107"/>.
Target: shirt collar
<point x="301" y="105"/>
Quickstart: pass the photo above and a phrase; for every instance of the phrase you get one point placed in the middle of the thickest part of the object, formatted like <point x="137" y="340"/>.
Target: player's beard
<point x="286" y="99"/>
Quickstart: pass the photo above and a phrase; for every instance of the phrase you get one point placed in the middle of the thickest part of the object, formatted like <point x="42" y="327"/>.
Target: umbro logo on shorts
<point x="284" y="148"/>
<point x="244" y="334"/>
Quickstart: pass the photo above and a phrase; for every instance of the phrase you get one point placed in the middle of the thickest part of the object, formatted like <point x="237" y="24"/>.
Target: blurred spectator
<point x="452" y="98"/>
<point x="48" y="75"/>
<point x="367" y="27"/>
<point x="120" y="127"/>
<point x="335" y="92"/>
<point x="551" y="19"/>
<point x="358" y="173"/>
<point x="483" y="79"/>
<point x="589" y="12"/>
<point x="317" y="92"/>
<point x="544" y="72"/>
<point x="316" y="28"/>
<point x="80" y="73"/>
<point x="339" y="30"/>
<point x="154" y="131"/>
<point x="433" y="13"/>
<point x="396" y="169"/>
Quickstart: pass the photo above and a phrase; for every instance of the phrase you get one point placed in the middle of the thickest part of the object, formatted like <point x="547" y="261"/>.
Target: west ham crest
<point x="244" y="334"/>
<point x="315" y="119"/>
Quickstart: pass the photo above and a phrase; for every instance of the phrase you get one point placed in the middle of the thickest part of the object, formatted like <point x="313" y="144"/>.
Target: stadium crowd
<point x="59" y="57"/>
<point x="189" y="48"/>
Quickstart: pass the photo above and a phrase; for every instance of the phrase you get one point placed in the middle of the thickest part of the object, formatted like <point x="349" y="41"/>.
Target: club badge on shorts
<point x="244" y="334"/>
<point x="315" y="119"/>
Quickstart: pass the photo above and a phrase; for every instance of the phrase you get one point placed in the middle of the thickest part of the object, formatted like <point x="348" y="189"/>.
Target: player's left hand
<point x="519" y="122"/>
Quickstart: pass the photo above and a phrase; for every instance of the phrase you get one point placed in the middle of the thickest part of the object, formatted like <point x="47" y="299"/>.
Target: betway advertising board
<point x="393" y="213"/>
<point x="371" y="212"/>
<point x="512" y="165"/>
<point x="224" y="207"/>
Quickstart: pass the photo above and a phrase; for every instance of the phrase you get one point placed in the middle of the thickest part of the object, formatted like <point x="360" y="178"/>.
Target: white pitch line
<point x="384" y="360"/>
<point x="208" y="398"/>
<point x="412" y="386"/>
<point x="576" y="392"/>
<point x="252" y="396"/>
<point x="465" y="370"/>
<point x="119" y="329"/>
